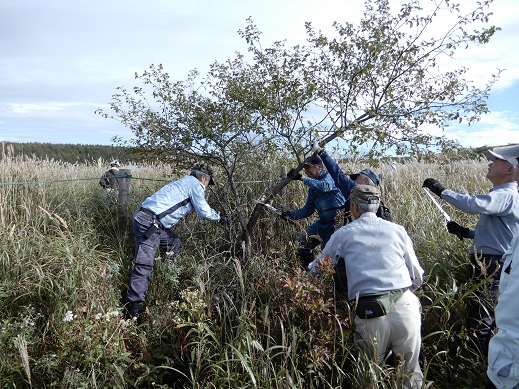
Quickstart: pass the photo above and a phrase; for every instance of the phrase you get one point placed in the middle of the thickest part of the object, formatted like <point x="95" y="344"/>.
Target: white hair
<point x="198" y="174"/>
<point x="365" y="207"/>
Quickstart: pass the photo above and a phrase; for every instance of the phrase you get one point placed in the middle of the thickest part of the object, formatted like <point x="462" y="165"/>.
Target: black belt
<point x="146" y="210"/>
<point x="403" y="290"/>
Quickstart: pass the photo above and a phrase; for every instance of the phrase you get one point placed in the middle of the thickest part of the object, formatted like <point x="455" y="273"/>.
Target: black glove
<point x="434" y="186"/>
<point x="285" y="215"/>
<point x="455" y="228"/>
<point x="224" y="219"/>
<point x="297" y="176"/>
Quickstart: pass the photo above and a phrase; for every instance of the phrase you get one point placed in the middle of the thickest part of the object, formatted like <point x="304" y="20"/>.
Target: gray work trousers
<point x="145" y="249"/>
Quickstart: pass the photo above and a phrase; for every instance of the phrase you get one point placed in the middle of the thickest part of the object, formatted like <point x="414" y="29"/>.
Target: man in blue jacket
<point x="152" y="224"/>
<point x="323" y="197"/>
<point x="346" y="183"/>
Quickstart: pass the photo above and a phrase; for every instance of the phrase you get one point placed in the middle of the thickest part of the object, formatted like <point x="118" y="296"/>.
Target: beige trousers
<point x="399" y="331"/>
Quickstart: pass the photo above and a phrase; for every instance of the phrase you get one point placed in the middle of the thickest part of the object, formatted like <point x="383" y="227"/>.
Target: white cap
<point x="507" y="153"/>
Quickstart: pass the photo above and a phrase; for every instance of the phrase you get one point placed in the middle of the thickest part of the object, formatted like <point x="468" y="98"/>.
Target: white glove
<point x="316" y="148"/>
<point x="312" y="268"/>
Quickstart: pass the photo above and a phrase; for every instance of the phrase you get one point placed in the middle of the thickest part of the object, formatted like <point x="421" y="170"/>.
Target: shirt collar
<point x="511" y="185"/>
<point x="368" y="215"/>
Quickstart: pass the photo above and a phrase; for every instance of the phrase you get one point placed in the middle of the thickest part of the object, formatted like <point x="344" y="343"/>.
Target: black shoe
<point x="131" y="311"/>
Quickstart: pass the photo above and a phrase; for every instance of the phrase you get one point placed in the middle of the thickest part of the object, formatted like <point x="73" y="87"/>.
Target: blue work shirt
<point x="499" y="217"/>
<point x="325" y="198"/>
<point x="343" y="181"/>
<point x="176" y="199"/>
<point x="346" y="184"/>
<point x="378" y="255"/>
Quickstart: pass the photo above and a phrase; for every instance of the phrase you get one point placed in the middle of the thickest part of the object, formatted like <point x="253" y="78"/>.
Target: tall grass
<point x="213" y="319"/>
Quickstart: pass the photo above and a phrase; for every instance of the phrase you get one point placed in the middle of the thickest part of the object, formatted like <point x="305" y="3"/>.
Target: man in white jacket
<point x="381" y="271"/>
<point x="503" y="351"/>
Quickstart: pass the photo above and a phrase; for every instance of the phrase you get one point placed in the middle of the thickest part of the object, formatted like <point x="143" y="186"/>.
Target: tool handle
<point x="286" y="218"/>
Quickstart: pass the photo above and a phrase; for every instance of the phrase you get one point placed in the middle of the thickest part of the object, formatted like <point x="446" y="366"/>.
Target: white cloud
<point x="29" y="108"/>
<point x="494" y="129"/>
<point x="61" y="60"/>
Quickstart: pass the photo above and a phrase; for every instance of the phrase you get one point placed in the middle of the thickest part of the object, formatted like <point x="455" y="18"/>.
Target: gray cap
<point x="507" y="153"/>
<point x="368" y="173"/>
<point x="365" y="194"/>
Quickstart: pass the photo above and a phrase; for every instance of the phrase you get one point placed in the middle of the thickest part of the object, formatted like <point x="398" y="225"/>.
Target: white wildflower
<point x="69" y="316"/>
<point x="112" y="314"/>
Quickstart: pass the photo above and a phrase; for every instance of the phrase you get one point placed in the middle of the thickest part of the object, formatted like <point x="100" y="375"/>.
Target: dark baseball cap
<point x="204" y="168"/>
<point x="368" y="173"/>
<point x="316" y="160"/>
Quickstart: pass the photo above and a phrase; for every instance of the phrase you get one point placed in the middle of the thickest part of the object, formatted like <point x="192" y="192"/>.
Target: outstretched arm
<point x="343" y="181"/>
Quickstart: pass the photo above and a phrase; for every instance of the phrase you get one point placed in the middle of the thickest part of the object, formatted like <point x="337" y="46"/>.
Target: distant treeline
<point x="71" y="153"/>
<point x="79" y="153"/>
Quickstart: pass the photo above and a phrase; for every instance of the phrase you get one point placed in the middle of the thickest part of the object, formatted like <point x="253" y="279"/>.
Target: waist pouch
<point x="155" y="224"/>
<point x="377" y="305"/>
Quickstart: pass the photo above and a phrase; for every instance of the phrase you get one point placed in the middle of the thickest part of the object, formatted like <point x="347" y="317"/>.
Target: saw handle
<point x="285" y="215"/>
<point x="457" y="229"/>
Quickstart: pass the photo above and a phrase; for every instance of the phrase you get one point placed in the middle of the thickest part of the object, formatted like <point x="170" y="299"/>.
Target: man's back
<point x="375" y="253"/>
<point x="378" y="255"/>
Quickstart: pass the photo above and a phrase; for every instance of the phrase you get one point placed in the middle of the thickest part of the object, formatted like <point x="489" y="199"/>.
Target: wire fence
<point x="117" y="176"/>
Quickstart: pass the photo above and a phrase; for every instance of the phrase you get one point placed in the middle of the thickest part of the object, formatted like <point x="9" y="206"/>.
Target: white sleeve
<point x="329" y="250"/>
<point x="413" y="266"/>
<point x="201" y="206"/>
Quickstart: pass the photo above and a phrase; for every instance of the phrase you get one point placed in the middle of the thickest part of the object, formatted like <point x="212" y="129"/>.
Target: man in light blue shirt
<point x="498" y="223"/>
<point x="152" y="224"/>
<point x="380" y="264"/>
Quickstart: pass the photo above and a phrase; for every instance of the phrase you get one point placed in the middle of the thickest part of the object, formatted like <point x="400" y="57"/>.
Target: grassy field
<point x="214" y="319"/>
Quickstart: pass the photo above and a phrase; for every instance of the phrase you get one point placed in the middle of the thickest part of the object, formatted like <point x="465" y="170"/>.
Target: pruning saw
<point x="275" y="210"/>
<point x="445" y="214"/>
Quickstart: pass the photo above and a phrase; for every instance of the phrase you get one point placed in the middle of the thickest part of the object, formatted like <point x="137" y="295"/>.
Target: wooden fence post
<point x="124" y="196"/>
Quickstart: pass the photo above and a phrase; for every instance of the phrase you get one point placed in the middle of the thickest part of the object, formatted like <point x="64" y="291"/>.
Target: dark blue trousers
<point x="481" y="308"/>
<point x="145" y="248"/>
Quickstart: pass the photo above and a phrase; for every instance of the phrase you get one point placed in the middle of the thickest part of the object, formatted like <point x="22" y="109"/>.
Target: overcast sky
<point x="61" y="60"/>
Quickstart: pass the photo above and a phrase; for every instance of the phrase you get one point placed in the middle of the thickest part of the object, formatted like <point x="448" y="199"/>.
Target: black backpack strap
<point x="384" y="213"/>
<point x="173" y="208"/>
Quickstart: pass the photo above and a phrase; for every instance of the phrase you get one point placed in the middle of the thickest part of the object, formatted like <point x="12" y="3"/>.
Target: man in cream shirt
<point x="381" y="272"/>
